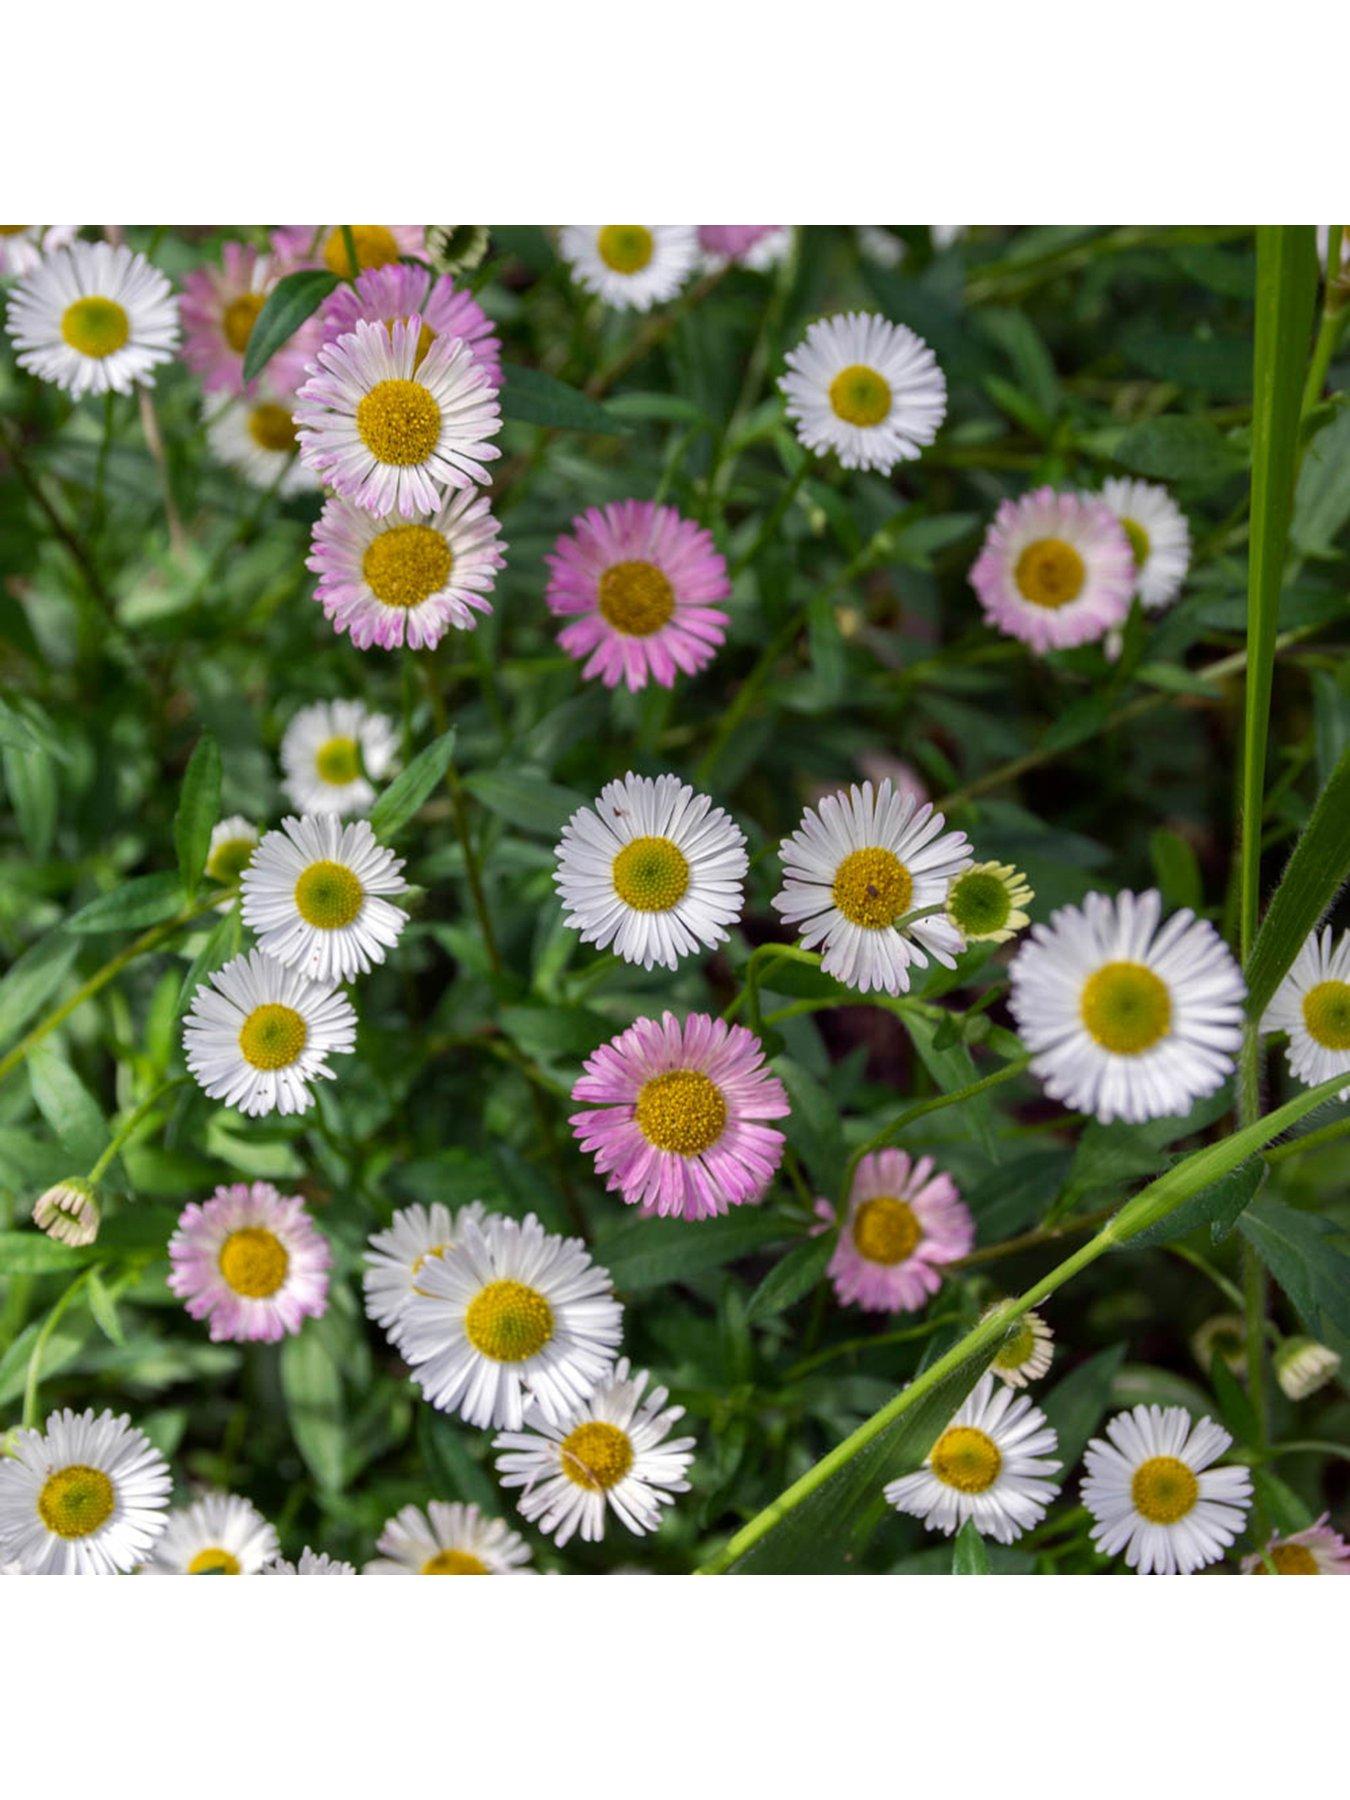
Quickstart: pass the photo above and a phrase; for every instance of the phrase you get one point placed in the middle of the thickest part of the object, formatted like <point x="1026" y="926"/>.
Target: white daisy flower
<point x="233" y="842"/>
<point x="1154" y="1496"/>
<point x="867" y="876"/>
<point x="332" y="754"/>
<point x="509" y="1312"/>
<point x="314" y="893"/>
<point x="259" y="1034"/>
<point x="256" y="436"/>
<point x="1312" y="1004"/>
<point x="630" y="265"/>
<point x="653" y="868"/>
<point x="1026" y="1353"/>
<point x="94" y="319"/>
<point x="1160" y="538"/>
<point x="615" y="1453"/>
<point x="85" y="1497"/>
<point x="312" y="1562"/>
<point x="867" y="389"/>
<point x="990" y="1465"/>
<point x="220" y="1534"/>
<point x="396" y="1255"/>
<point x="21" y="246"/>
<point x="1125" y="1018"/>
<point x="448" y="1539"/>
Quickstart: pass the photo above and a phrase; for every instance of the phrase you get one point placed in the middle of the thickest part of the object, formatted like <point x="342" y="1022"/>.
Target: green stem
<point x="131" y="1123"/>
<point x="49" y="1324"/>
<point x="472" y="868"/>
<point x="889" y="1133"/>
<point x="1311" y="1140"/>
<point x="65" y="533"/>
<point x="773" y="519"/>
<point x="652" y="334"/>
<point x="1329" y="329"/>
<point x="860" y="1345"/>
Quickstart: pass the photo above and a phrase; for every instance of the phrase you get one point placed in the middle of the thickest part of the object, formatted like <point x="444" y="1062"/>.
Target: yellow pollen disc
<point x="1126" y="1007"/>
<point x="979" y="903"/>
<point x="375" y="245"/>
<point x="508" y="1321"/>
<point x="1049" y="573"/>
<point x="682" y="1112"/>
<point x="885" y="1230"/>
<point x="76" y="1500"/>
<point x="272" y="427"/>
<point x="337" y="761"/>
<point x="254" y="1262"/>
<point x="872" y="888"/>
<point x="860" y="396"/>
<point x="454" y="1562"/>
<point x="1326" y="1013"/>
<point x="407" y="564"/>
<point x="650" y="874"/>
<point x="215" y="1562"/>
<point x="625" y="248"/>
<point x="272" y="1036"/>
<point x="1017" y="1349"/>
<point x="329" y="896"/>
<point x="1138" y="541"/>
<point x="596" y="1455"/>
<point x="1164" y="1490"/>
<point x="399" y="422"/>
<point x="238" y="319"/>
<point x="230" y="858"/>
<point x="95" y="326"/>
<point x="11" y="230"/>
<point x="1290" y="1559"/>
<point x="966" y="1459"/>
<point x="426" y="337"/>
<point x="636" y="598"/>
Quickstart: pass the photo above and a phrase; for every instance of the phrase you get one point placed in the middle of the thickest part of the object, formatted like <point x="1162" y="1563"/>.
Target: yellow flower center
<point x="76" y="1500"/>
<point x="650" y="874"/>
<point x="375" y="245"/>
<point x="885" y="1230"/>
<point x="596" y="1455"/>
<point x="625" y="248"/>
<point x="966" y="1459"/>
<point x="508" y="1321"/>
<point x="979" y="903"/>
<point x="1050" y="573"/>
<point x="1326" y="1013"/>
<point x="399" y="422"/>
<point x="12" y="230"/>
<point x="682" y="1112"/>
<point x="1164" y="1490"/>
<point x="215" y="1562"/>
<point x="254" y="1262"/>
<point x="272" y="427"/>
<point x="420" y="1262"/>
<point x="1290" y="1559"/>
<point x="337" y="762"/>
<point x="329" y="895"/>
<point x="407" y="564"/>
<point x="860" y="396"/>
<point x="95" y="326"/>
<point x="872" y="888"/>
<point x="426" y="337"/>
<point x="1126" y="1007"/>
<point x="636" y="598"/>
<point x="454" y="1562"/>
<point x="1138" y="537"/>
<point x="230" y="858"/>
<point x="238" y="319"/>
<point x="1017" y="1349"/>
<point x="272" y="1036"/>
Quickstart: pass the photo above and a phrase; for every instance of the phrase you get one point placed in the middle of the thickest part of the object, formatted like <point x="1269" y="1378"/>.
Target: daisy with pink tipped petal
<point x="392" y="294"/>
<point x="220" y="307"/>
<point x="1056" y="570"/>
<point x="642" y="588"/>
<point x="251" y="1261"/>
<point x="1318" y="1550"/>
<point x="678" y="1125"/>
<point x="756" y="247"/>
<point x="904" y="1220"/>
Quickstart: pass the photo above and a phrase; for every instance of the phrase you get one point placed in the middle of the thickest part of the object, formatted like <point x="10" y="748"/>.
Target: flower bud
<point x="1302" y="1365"/>
<point x="69" y="1212"/>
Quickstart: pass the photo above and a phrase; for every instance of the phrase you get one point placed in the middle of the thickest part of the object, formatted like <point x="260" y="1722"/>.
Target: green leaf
<point x="290" y="303"/>
<point x="1312" y="878"/>
<point x="525" y="799"/>
<point x="409" y="789"/>
<point x="969" y="1556"/>
<point x="813" y="1126"/>
<point x="1219" y="1206"/>
<point x="30" y="779"/>
<point x="30" y="1253"/>
<point x="1180" y="449"/>
<point x="33" y="979"/>
<point x="1177" y="868"/>
<point x="454" y="1471"/>
<point x="221" y="943"/>
<point x="648" y="1253"/>
<point x="198" y="810"/>
<point x="1076" y="1404"/>
<point x="1322" y="498"/>
<point x="1307" y="1255"/>
<point x="104" y="1308"/>
<point x="539" y="399"/>
<point x="146" y="900"/>
<point x="792" y="1277"/>
<point x="67" y="1105"/>
<point x="313" y="1393"/>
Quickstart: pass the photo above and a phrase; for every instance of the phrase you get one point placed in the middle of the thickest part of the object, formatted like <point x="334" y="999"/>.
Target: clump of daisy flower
<point x="1127" y="1017"/>
<point x="312" y="1562"/>
<point x="904" y="1220"/>
<point x="448" y="1539"/>
<point x="259" y="1034"/>
<point x="986" y="903"/>
<point x="1160" y="539"/>
<point x="1026" y="1351"/>
<point x="252" y="1262"/>
<point x="641" y="588"/>
<point x="653" y="868"/>
<point x="333" y="753"/>
<point x="221" y="304"/>
<point x="22" y="246"/>
<point x="396" y="291"/>
<point x="869" y="390"/>
<point x="1151" y="1490"/>
<point x="93" y="319"/>
<point x="256" y="437"/>
<point x="1056" y="570"/>
<point x="233" y="841"/>
<point x="991" y="1465"/>
<point x="1312" y="1004"/>
<point x="632" y="266"/>
<point x="1303" y="1366"/>
<point x="84" y="1497"/>
<point x="220" y="1534"/>
<point x="866" y="875"/>
<point x="614" y="1454"/>
<point x="677" y="1121"/>
<point x="1317" y="1550"/>
<point x="315" y="894"/>
<point x="395" y="1256"/>
<point x="69" y="1212"/>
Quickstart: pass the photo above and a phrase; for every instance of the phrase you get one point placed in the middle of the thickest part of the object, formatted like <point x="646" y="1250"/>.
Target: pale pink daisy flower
<point x="326" y="245"/>
<point x="251" y="1261"/>
<point x="219" y="309"/>
<point x="1317" y="1550"/>
<point x="22" y="246"/>
<point x="750" y="245"/>
<point x="641" y="586"/>
<point x="904" y="1220"/>
<point x="1056" y="570"/>
<point x="678" y="1128"/>
<point x="391" y="294"/>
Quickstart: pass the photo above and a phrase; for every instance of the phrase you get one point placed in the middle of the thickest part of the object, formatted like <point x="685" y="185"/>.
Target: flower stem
<point x="133" y="1120"/>
<point x="889" y="1133"/>
<point x="48" y="1326"/>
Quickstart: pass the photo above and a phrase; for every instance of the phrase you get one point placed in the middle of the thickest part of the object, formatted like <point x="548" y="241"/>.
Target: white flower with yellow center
<point x="94" y="319"/>
<point x="448" y="1539"/>
<point x="991" y="1465"/>
<point x="396" y="1256"/>
<point x="653" y="868"/>
<point x="312" y="1562"/>
<point x="1127" y="1017"/>
<point x="986" y="903"/>
<point x="867" y="876"/>
<point x="630" y="265"/>
<point x="315" y="894"/>
<point x="85" y="1497"/>
<point x="1153" y="1494"/>
<point x="1160" y="538"/>
<point x="1026" y="1351"/>
<point x="509" y="1312"/>
<point x="1312" y="1004"/>
<point x="220" y="1534"/>
<point x="256" y="437"/>
<point x="259" y="1034"/>
<point x="869" y="390"/>
<point x="333" y="753"/>
<point x="233" y="842"/>
<point x="613" y="1454"/>
<point x="21" y="246"/>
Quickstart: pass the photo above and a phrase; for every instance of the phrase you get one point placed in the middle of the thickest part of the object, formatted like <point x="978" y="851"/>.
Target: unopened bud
<point x="69" y="1212"/>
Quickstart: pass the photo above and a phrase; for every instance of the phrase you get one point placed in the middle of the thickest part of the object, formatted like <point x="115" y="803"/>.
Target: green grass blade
<point x="1312" y="878"/>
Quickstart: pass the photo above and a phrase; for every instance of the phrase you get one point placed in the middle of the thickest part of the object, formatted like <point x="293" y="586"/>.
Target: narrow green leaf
<point x="969" y="1556"/>
<point x="1177" y="868"/>
<point x="146" y="900"/>
<point x="314" y="1403"/>
<point x="284" y="311"/>
<point x="30" y="1253"/>
<point x="792" y="1277"/>
<point x="1180" y="449"/>
<point x="222" y="942"/>
<point x="67" y="1105"/>
<point x="649" y="1253"/>
<point x="525" y="799"/>
<point x="539" y="399"/>
<point x="411" y="787"/>
<point x="1312" y="878"/>
<point x="198" y="810"/>
<point x="1076" y="1405"/>
<point x="1308" y="1255"/>
<point x="1219" y="1206"/>
<point x="104" y="1308"/>
<point x="455" y="1473"/>
<point x="30" y="781"/>
<point x="33" y="979"/>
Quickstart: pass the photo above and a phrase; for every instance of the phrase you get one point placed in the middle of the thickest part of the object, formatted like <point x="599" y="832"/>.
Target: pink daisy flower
<point x="677" y="1130"/>
<point x="640" y="585"/>
<point x="1318" y="1550"/>
<point x="904" y="1221"/>
<point x="326" y="245"/>
<point x="1056" y="570"/>
<point x="393" y="293"/>
<point x="251" y="1261"/>
<point x="219" y="308"/>
<point x="739" y="243"/>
